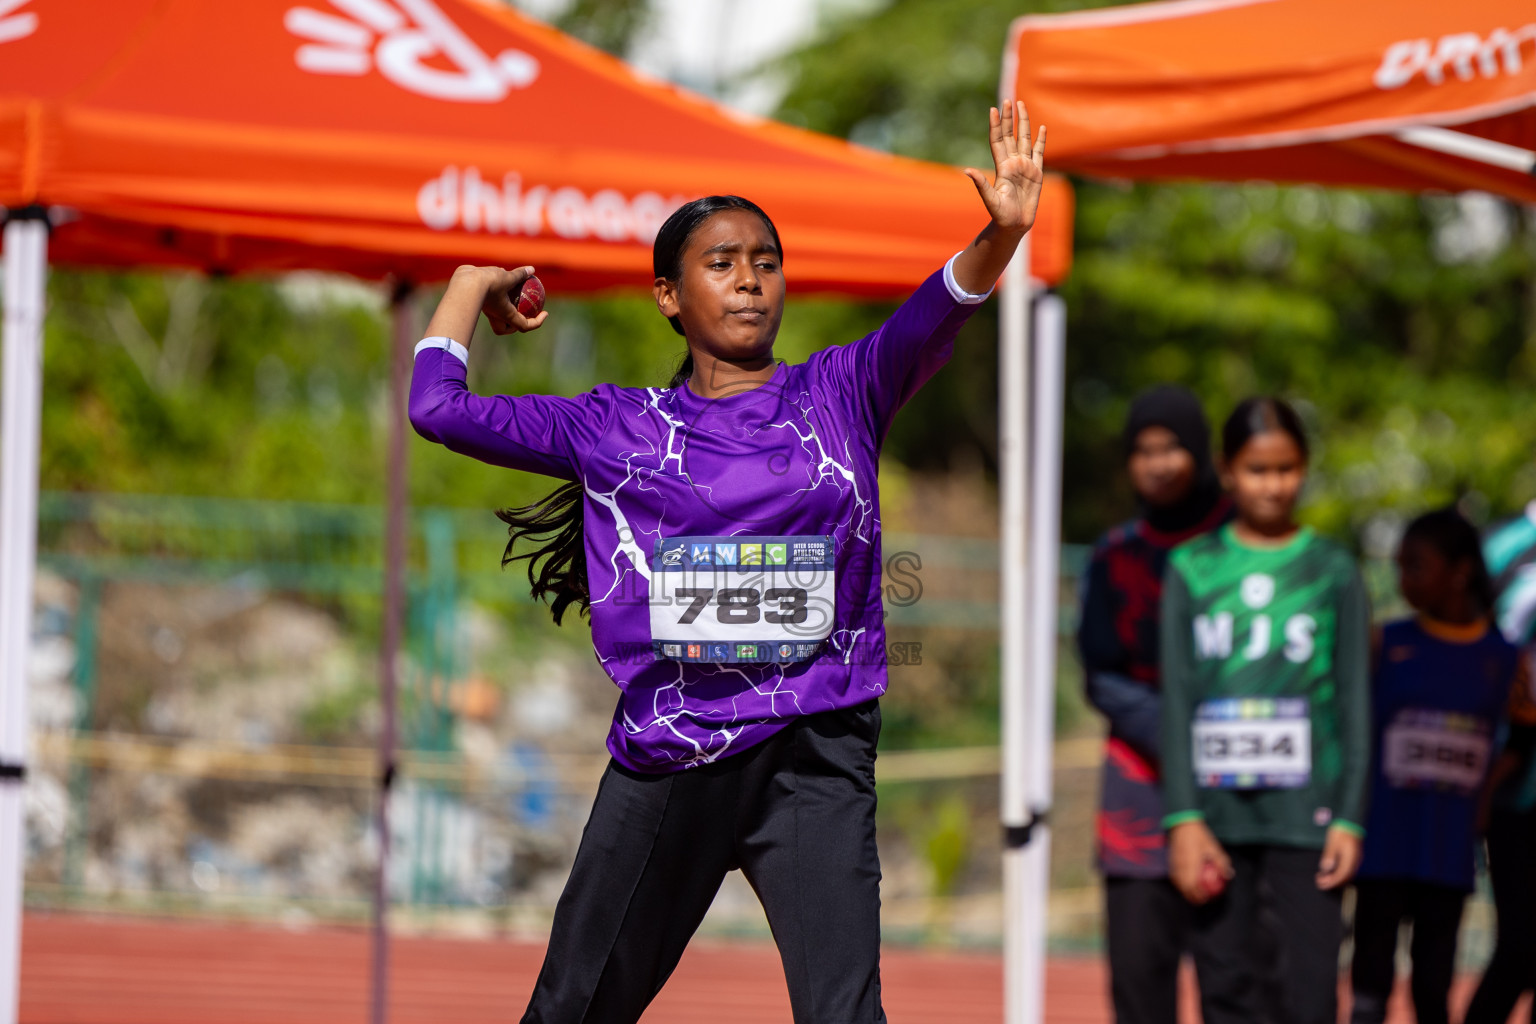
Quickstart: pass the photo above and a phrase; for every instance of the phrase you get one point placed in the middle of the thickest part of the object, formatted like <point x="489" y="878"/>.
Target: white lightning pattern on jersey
<point x="670" y="702"/>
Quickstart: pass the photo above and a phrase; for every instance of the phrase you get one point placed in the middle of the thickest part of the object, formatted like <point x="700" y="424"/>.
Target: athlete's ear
<point x="666" y="297"/>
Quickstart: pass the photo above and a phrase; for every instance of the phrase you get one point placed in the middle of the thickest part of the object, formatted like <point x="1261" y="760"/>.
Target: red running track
<point x="86" y="970"/>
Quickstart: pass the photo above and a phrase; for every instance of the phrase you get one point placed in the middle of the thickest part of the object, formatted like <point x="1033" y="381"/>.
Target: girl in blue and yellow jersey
<point x="1441" y="684"/>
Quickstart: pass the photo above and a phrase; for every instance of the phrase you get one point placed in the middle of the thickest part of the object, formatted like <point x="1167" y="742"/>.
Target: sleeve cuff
<point x="957" y="293"/>
<point x="1358" y="831"/>
<point x="1182" y="818"/>
<point x="448" y="345"/>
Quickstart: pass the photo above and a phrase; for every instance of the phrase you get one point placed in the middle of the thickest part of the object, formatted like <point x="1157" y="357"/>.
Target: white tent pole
<point x="26" y="268"/>
<point x="1470" y="147"/>
<point x="403" y="337"/>
<point x="1022" y="1003"/>
<point x="1048" y="337"/>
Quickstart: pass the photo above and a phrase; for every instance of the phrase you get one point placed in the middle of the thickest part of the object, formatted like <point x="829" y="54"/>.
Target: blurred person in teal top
<point x="1510" y="550"/>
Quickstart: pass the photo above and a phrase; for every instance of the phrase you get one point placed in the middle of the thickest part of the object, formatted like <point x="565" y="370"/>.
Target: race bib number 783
<point x="742" y="599"/>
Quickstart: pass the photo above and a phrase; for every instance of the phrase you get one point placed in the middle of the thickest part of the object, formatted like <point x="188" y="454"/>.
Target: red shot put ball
<point x="530" y="299"/>
<point x="1211" y="880"/>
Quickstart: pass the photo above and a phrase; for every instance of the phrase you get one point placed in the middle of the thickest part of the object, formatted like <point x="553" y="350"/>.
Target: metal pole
<point x="1044" y="557"/>
<point x="26" y="272"/>
<point x="1021" y="996"/>
<point x="402" y="341"/>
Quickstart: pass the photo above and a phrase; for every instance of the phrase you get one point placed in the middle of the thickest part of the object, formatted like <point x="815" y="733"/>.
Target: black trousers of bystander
<point x="1381" y="906"/>
<point x="1146" y="930"/>
<point x="1228" y="950"/>
<point x="1512" y="869"/>
<point x="795" y="813"/>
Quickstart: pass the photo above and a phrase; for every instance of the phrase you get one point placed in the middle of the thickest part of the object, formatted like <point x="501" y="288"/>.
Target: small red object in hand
<point x="530" y="298"/>
<point x="1211" y="880"/>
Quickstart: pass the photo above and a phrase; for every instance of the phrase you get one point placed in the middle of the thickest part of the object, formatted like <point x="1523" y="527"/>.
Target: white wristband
<point x="448" y="345"/>
<point x="957" y="293"/>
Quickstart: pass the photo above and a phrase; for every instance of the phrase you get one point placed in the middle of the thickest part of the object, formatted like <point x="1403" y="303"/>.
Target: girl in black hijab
<point x="1168" y="455"/>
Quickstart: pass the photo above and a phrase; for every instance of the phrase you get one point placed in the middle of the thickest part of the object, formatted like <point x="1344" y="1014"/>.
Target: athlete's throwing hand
<point x="1014" y="194"/>
<point x="500" y="305"/>
<point x="475" y="290"/>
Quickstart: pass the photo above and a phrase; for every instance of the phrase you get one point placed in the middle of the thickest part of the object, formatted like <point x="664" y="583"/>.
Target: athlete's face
<point x="730" y="296"/>
<point x="1162" y="470"/>
<point x="1265" y="479"/>
<point x="1430" y="582"/>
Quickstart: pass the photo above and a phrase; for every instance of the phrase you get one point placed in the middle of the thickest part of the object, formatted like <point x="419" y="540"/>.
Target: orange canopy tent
<point x="404" y="137"/>
<point x="1402" y="94"/>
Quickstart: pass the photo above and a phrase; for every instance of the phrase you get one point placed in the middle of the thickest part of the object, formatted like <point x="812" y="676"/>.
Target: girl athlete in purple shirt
<point x="723" y="534"/>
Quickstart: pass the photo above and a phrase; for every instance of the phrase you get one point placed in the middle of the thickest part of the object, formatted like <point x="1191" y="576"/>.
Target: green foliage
<point x="947" y="846"/>
<point x="1408" y="344"/>
<point x="609" y="25"/>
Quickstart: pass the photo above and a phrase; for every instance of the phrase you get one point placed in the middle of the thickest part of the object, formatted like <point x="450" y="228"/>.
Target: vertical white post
<point x="1022" y="996"/>
<point x="26" y="267"/>
<point x="1048" y="337"/>
<point x="403" y="337"/>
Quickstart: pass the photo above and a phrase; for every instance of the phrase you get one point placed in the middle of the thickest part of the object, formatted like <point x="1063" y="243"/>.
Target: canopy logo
<point x="1464" y="53"/>
<point x="454" y="199"/>
<point x="409" y="41"/>
<point x="16" y="26"/>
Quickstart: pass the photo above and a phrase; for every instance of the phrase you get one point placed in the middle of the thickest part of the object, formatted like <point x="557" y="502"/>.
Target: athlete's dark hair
<point x="557" y="568"/>
<point x="1449" y="532"/>
<point x="1261" y="415"/>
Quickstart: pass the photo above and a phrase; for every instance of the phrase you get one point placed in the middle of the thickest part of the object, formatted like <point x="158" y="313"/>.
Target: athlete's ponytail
<point x="557" y="568"/>
<point x="683" y="372"/>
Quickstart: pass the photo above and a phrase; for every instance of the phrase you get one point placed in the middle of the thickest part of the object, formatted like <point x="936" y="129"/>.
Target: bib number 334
<point x="1263" y="743"/>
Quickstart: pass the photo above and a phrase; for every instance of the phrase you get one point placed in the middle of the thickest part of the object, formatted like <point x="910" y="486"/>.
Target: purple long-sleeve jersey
<point x="797" y="457"/>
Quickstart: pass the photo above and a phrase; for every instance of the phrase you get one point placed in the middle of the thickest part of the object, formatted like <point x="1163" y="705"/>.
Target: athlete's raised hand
<point x="1014" y="193"/>
<point x="1011" y="198"/>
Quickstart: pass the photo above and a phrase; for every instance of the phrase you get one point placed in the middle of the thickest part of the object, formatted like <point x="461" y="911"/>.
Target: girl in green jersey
<point x="1266" y="729"/>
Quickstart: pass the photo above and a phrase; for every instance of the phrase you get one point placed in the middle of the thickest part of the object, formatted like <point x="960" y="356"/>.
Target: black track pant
<point x="1228" y="949"/>
<point x="1146" y="929"/>
<point x="1512" y="868"/>
<point x="1381" y="906"/>
<point x="796" y="814"/>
